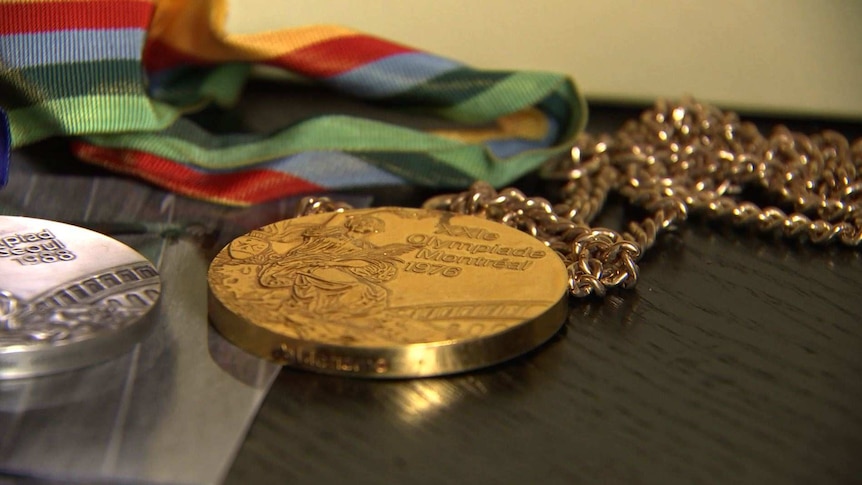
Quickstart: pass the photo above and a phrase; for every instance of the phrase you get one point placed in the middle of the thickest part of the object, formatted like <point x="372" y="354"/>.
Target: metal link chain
<point x="675" y="159"/>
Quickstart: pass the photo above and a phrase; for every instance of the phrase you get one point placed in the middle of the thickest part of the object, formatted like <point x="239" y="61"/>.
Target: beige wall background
<point x="777" y="56"/>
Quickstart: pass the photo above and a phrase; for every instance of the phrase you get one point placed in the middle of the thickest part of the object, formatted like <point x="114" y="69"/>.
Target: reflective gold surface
<point x="387" y="292"/>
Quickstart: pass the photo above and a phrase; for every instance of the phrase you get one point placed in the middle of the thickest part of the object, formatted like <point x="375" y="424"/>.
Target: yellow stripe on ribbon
<point x="198" y="28"/>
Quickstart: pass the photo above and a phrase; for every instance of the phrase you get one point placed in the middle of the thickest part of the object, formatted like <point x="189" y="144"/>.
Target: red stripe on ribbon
<point x="21" y="18"/>
<point x="335" y="56"/>
<point x="245" y="187"/>
<point x="159" y="56"/>
<point x="324" y="59"/>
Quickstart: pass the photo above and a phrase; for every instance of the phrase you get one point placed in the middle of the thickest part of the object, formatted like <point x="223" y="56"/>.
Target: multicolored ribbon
<point x="124" y="76"/>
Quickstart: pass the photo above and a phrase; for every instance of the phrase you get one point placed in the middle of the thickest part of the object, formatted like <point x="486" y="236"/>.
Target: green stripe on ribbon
<point x="186" y="142"/>
<point x="196" y="85"/>
<point x="448" y="89"/>
<point x="420" y="168"/>
<point x="514" y="93"/>
<point x="566" y="103"/>
<point x="33" y="85"/>
<point x="458" y="166"/>
<point x="87" y="114"/>
<point x="418" y="157"/>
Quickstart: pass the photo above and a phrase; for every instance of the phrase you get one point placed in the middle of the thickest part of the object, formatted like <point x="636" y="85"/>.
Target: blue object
<point x="5" y="148"/>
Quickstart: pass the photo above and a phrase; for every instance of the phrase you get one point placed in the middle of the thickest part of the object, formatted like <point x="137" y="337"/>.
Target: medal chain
<point x="674" y="160"/>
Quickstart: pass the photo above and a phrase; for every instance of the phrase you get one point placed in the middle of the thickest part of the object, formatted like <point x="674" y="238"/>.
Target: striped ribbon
<point x="125" y="77"/>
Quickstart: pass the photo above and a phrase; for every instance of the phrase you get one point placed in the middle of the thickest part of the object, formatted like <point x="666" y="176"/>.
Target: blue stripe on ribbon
<point x="508" y="147"/>
<point x="333" y="170"/>
<point x="67" y="46"/>
<point x="391" y="75"/>
<point x="5" y="148"/>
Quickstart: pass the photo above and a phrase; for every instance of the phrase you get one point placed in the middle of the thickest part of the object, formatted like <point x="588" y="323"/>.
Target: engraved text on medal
<point x="34" y="248"/>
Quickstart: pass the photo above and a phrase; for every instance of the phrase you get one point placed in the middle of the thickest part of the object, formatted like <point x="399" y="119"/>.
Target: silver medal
<point x="69" y="297"/>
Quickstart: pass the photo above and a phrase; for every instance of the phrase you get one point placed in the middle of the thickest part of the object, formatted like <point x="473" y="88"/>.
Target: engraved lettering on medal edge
<point x="327" y="281"/>
<point x="33" y="248"/>
<point x="111" y="299"/>
<point x="324" y="360"/>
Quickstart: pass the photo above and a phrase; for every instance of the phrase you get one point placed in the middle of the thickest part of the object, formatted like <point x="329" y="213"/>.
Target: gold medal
<point x="387" y="292"/>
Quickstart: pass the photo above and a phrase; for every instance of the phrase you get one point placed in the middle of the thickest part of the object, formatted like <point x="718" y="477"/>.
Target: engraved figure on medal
<point x="336" y="270"/>
<point x="330" y="275"/>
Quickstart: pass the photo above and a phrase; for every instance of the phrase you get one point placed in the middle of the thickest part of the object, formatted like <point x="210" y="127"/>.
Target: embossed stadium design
<point x="80" y="308"/>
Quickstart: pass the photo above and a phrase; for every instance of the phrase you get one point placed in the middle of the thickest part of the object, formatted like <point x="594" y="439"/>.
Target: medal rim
<point x="364" y="361"/>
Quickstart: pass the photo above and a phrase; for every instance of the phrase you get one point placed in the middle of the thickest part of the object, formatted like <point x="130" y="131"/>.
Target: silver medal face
<point x="69" y="297"/>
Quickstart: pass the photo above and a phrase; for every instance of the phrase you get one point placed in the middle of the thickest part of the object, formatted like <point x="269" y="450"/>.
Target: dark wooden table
<point x="736" y="360"/>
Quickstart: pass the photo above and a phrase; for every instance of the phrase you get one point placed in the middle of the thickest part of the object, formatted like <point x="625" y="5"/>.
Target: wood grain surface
<point x="737" y="359"/>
